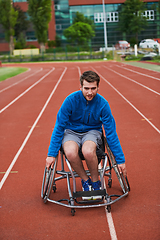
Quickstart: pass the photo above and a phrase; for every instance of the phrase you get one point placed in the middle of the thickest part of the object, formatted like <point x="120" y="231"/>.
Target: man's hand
<point x="50" y="162"/>
<point x="122" y="169"/>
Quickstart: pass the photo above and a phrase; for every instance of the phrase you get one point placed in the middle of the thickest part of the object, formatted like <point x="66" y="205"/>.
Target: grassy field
<point x="154" y="67"/>
<point x="7" y="72"/>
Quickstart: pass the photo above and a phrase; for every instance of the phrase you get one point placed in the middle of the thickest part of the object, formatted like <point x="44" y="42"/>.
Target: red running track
<point x="28" y="106"/>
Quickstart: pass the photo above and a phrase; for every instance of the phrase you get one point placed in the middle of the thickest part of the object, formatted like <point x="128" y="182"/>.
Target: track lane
<point x="23" y="115"/>
<point x="33" y="219"/>
<point x="141" y="81"/>
<point x="33" y="209"/>
<point x="23" y="78"/>
<point x="110" y="222"/>
<point x="12" y="94"/>
<point x="138" y="98"/>
<point x="157" y="77"/>
<point x="141" y="147"/>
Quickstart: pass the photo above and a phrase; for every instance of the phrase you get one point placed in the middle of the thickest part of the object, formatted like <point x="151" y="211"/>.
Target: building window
<point x="58" y="26"/>
<point x="98" y="17"/>
<point x="149" y="14"/>
<point x="57" y="7"/>
<point x="110" y="17"/>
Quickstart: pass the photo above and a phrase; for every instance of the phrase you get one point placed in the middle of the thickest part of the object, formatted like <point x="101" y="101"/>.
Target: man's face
<point x="89" y="90"/>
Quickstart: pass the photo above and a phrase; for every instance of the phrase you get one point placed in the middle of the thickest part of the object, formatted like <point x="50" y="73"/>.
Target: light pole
<point x="105" y="30"/>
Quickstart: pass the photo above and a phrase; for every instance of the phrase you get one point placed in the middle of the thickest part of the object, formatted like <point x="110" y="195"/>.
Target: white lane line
<point x="30" y="132"/>
<point x="129" y="102"/>
<point x="111" y="227"/>
<point x="27" y="90"/>
<point x="133" y="81"/>
<point x="20" y="80"/>
<point x="146" y="75"/>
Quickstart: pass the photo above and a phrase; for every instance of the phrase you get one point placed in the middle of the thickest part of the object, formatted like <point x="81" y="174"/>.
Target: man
<point x="79" y="125"/>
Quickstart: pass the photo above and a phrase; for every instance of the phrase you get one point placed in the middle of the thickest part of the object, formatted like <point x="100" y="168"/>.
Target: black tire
<point x="108" y="199"/>
<point x="47" y="183"/>
<point x="121" y="182"/>
<point x="109" y="183"/>
<point x="109" y="208"/>
<point x="54" y="188"/>
<point x="116" y="169"/>
<point x="73" y="211"/>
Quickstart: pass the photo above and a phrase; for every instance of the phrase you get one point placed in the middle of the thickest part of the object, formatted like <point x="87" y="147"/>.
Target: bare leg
<point x="71" y="149"/>
<point x="89" y="152"/>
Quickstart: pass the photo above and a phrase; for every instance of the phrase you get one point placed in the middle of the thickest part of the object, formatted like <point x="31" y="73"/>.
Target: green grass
<point x="144" y="65"/>
<point x="7" y="72"/>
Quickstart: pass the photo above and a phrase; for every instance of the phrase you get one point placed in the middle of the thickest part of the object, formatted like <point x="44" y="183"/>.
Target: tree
<point x="81" y="18"/>
<point x="8" y="20"/>
<point x="158" y="8"/>
<point x="22" y="22"/>
<point x="81" y="31"/>
<point x="131" y="18"/>
<point x="40" y="14"/>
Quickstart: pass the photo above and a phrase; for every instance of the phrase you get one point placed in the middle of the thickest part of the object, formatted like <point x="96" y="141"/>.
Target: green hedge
<point x="58" y="56"/>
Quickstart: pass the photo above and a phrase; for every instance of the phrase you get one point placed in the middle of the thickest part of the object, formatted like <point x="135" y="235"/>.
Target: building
<point x="63" y="12"/>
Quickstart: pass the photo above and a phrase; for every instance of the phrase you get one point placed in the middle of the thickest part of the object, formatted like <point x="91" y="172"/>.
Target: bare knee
<point x="89" y="150"/>
<point x="71" y="150"/>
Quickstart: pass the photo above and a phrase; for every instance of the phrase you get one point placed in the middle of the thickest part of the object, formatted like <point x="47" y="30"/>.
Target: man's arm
<point x="111" y="135"/>
<point x="60" y="125"/>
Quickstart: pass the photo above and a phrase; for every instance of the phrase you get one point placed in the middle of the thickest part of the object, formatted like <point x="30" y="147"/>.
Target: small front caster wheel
<point x="109" y="183"/>
<point x="108" y="199"/>
<point x="73" y="211"/>
<point x="109" y="208"/>
<point x="54" y="188"/>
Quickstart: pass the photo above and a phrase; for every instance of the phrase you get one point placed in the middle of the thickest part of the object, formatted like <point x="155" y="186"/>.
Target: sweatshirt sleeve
<point x="63" y="116"/>
<point x="111" y="134"/>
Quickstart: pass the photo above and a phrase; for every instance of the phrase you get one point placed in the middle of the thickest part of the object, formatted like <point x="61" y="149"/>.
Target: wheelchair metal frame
<point x="49" y="184"/>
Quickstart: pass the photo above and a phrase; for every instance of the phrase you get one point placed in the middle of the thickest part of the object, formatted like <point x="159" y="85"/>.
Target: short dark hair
<point x="90" y="76"/>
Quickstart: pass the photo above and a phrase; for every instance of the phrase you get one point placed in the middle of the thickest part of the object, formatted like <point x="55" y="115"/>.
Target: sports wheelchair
<point x="75" y="200"/>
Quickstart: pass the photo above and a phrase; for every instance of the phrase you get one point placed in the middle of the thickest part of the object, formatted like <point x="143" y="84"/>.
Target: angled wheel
<point x="121" y="182"/>
<point x="44" y="183"/>
<point x="47" y="182"/>
<point x="116" y="169"/>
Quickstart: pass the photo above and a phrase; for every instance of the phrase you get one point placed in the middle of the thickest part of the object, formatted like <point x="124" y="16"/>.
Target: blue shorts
<point x="80" y="138"/>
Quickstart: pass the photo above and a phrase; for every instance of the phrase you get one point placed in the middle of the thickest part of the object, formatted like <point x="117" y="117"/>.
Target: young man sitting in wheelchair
<point x="79" y="125"/>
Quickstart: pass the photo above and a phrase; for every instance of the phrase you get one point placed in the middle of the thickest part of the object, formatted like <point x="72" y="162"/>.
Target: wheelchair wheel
<point x="116" y="169"/>
<point x="47" y="183"/>
<point x="121" y="182"/>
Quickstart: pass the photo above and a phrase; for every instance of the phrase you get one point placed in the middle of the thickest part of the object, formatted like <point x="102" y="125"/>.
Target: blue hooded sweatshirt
<point x="80" y="115"/>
